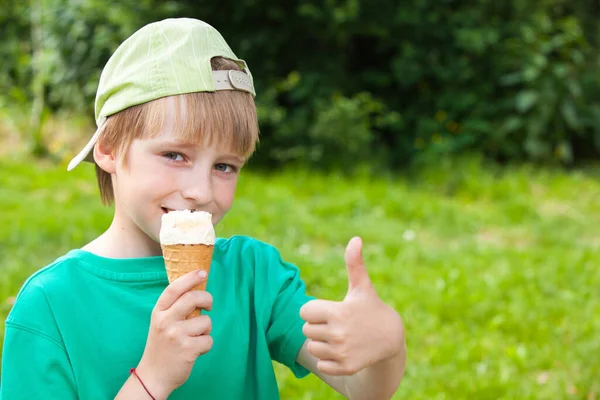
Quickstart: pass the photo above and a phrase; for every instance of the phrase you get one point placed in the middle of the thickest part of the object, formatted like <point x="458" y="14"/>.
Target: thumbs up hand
<point x="357" y="332"/>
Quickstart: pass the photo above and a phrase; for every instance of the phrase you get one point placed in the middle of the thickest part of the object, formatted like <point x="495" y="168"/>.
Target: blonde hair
<point x="227" y="118"/>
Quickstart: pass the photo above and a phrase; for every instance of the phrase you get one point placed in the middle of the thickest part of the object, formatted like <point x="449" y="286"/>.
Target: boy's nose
<point x="198" y="190"/>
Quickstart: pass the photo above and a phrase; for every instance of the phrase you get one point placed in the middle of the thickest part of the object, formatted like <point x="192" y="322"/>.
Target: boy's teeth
<point x="168" y="210"/>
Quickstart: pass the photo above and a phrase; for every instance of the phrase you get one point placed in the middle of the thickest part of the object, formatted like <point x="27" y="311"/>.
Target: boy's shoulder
<point x="51" y="275"/>
<point x="246" y="249"/>
<point x="33" y="299"/>
<point x="243" y="243"/>
<point x="250" y="256"/>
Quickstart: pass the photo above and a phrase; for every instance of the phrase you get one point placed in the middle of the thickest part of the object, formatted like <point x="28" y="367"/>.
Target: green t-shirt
<point x="80" y="324"/>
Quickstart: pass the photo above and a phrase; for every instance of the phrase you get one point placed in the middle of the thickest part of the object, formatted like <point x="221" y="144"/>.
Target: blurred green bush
<point x="344" y="82"/>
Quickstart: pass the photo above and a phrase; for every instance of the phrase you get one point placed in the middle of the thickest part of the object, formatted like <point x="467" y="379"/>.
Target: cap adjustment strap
<point x="233" y="80"/>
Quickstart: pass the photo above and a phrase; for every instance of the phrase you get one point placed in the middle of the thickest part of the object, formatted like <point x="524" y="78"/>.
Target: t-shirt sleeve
<point x="286" y="295"/>
<point x="35" y="364"/>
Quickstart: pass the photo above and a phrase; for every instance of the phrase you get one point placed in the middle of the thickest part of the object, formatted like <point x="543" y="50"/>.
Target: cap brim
<point x="86" y="153"/>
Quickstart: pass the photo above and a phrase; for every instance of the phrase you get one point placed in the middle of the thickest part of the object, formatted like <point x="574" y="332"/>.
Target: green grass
<point x="496" y="272"/>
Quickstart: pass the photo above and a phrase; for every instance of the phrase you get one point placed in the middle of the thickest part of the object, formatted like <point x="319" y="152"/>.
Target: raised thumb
<point x="357" y="272"/>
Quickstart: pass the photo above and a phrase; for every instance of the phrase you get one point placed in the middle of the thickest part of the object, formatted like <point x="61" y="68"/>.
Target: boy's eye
<point x="173" y="156"/>
<point x="226" y="168"/>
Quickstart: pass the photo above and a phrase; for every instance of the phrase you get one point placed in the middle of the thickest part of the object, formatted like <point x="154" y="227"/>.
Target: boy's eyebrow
<point x="178" y="143"/>
<point x="233" y="157"/>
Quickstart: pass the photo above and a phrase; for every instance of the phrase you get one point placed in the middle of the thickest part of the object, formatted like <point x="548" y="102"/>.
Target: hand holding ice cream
<point x="175" y="341"/>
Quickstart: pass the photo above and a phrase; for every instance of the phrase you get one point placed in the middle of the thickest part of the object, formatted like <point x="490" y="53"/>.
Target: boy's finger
<point x="333" y="368"/>
<point x="198" y="326"/>
<point x="318" y="332"/>
<point x="358" y="277"/>
<point x="321" y="350"/>
<point x="178" y="287"/>
<point x="201" y="344"/>
<point x="317" y="311"/>
<point x="188" y="302"/>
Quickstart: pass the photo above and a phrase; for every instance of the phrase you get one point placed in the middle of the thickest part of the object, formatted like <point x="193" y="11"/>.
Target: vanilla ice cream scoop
<point x="187" y="227"/>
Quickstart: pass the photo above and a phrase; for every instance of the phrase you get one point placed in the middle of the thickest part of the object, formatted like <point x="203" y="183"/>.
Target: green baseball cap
<point x="162" y="59"/>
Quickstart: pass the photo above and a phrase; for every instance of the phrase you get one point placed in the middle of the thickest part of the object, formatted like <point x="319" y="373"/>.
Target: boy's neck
<point x="123" y="241"/>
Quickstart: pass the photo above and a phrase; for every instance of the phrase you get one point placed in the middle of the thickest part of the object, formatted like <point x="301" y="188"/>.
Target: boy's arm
<point x="379" y="381"/>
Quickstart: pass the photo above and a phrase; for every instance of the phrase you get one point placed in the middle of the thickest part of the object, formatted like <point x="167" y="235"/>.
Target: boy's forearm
<point x="379" y="381"/>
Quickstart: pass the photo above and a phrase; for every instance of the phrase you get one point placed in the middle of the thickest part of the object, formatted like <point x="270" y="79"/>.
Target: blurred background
<point x="459" y="138"/>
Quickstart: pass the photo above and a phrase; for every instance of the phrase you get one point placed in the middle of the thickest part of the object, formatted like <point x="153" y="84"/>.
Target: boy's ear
<point x="105" y="158"/>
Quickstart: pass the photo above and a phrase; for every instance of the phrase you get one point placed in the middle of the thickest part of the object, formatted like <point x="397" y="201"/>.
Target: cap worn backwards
<point x="164" y="58"/>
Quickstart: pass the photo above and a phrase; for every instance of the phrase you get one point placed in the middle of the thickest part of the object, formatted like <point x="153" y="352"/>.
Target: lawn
<point x="495" y="271"/>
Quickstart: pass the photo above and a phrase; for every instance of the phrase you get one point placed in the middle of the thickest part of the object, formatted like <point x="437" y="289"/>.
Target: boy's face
<point x="164" y="173"/>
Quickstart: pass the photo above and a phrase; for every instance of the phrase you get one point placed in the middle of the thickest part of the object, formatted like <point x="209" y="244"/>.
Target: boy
<point x="177" y="122"/>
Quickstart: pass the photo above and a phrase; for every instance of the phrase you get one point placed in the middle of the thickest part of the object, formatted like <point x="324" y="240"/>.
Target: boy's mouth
<point x="166" y="210"/>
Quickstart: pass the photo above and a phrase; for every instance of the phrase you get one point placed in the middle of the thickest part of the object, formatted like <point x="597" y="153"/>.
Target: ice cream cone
<point x="183" y="258"/>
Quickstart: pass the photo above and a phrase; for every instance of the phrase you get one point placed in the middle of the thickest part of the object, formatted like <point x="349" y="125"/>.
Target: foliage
<point x="495" y="272"/>
<point x="378" y="81"/>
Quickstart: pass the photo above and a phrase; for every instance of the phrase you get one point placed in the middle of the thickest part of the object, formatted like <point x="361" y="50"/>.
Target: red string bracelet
<point x="132" y="371"/>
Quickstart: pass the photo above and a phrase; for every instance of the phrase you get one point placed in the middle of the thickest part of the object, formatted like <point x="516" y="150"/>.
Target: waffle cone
<point x="183" y="258"/>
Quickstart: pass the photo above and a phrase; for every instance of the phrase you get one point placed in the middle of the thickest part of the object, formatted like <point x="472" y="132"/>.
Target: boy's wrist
<point x="152" y="382"/>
